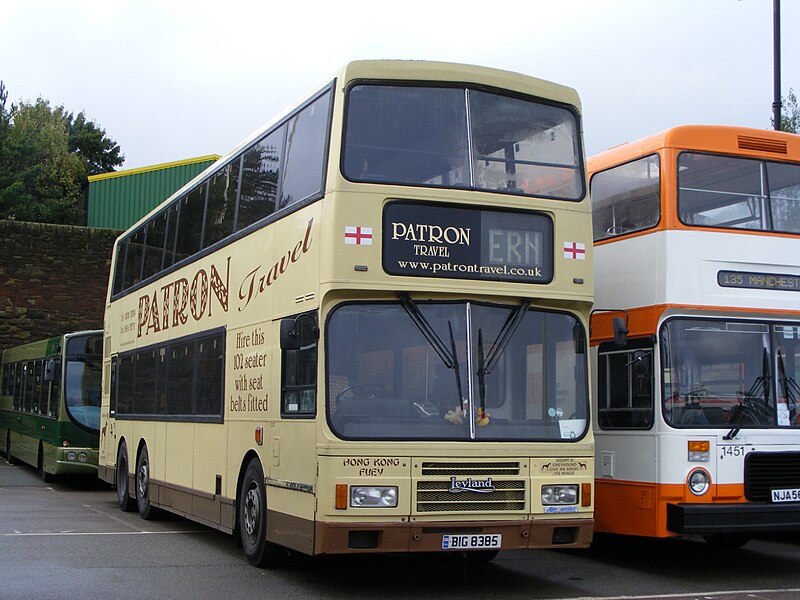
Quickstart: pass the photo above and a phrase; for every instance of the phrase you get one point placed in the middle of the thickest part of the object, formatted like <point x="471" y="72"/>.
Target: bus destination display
<point x="427" y="240"/>
<point x="759" y="281"/>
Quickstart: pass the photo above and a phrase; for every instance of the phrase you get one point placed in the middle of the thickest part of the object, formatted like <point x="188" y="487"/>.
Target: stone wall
<point x="53" y="279"/>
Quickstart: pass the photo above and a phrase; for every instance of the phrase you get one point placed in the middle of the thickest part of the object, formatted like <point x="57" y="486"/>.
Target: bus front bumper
<point x="75" y="461"/>
<point x="343" y="538"/>
<point x="747" y="517"/>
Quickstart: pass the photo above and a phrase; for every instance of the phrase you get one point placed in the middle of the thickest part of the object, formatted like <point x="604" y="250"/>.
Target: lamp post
<point x="776" y="63"/>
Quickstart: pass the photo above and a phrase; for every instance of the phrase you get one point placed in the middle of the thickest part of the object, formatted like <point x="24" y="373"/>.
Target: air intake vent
<point x="747" y="142"/>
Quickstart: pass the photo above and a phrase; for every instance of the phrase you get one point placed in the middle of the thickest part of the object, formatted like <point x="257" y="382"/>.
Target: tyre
<point x="46" y="477"/>
<point x="10" y="459"/>
<point x="124" y="499"/>
<point x="252" y="507"/>
<point x="146" y="510"/>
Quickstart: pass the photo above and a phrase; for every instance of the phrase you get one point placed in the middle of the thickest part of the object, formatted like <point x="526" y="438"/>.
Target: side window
<point x="113" y="386"/>
<point x="55" y="391"/>
<point x="299" y="369"/>
<point x="40" y="389"/>
<point x="126" y="373"/>
<point x="119" y="267"/>
<point x="144" y="385"/>
<point x="190" y="226"/>
<point x="19" y="385"/>
<point x="173" y="212"/>
<point x="625" y="387"/>
<point x="154" y="248"/>
<point x="210" y="376"/>
<point x="260" y="177"/>
<point x="30" y="386"/>
<point x="305" y="152"/>
<point x="133" y="259"/>
<point x="180" y="369"/>
<point x="626" y="198"/>
<point x="221" y="204"/>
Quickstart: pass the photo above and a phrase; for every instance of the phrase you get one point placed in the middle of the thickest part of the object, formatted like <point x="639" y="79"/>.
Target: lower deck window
<point x="181" y="380"/>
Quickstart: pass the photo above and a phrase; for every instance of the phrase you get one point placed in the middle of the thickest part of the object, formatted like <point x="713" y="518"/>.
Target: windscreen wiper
<point x="487" y="363"/>
<point x="503" y="337"/>
<point x="449" y="356"/>
<point x="427" y="330"/>
<point x="481" y="375"/>
<point x="751" y="406"/>
<point x="456" y="369"/>
<point x="790" y="388"/>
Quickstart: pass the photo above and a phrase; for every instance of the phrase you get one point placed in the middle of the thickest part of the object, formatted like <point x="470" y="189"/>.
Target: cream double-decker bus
<point x="365" y="328"/>
<point x="697" y="240"/>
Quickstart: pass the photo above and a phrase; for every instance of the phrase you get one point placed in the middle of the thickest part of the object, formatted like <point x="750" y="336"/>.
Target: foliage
<point x="100" y="153"/>
<point x="46" y="154"/>
<point x="790" y="113"/>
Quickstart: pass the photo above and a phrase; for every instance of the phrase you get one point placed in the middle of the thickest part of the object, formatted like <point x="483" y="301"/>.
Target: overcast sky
<point x="176" y="79"/>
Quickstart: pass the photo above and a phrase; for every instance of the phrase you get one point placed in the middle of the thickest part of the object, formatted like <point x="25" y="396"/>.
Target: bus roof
<point x="395" y="71"/>
<point x="726" y="139"/>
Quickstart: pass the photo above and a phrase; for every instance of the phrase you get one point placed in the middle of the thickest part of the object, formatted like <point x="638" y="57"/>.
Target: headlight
<point x="559" y="494"/>
<point x="71" y="455"/>
<point x="373" y="497"/>
<point x="82" y="456"/>
<point x="699" y="482"/>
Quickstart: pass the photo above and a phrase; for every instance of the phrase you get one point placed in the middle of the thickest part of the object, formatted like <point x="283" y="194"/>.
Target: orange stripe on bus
<point x="643" y="320"/>
<point x="640" y="508"/>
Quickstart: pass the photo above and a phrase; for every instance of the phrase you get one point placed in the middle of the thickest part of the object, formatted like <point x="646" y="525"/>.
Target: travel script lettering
<point x="253" y="285"/>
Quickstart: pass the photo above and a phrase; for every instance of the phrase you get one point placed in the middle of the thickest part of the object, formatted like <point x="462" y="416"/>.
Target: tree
<point x="100" y="153"/>
<point x="45" y="156"/>
<point x="41" y="178"/>
<point x="790" y="114"/>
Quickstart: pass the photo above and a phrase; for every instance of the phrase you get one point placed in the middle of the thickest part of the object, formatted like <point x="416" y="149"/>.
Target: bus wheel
<point x="46" y="477"/>
<point x="146" y="510"/>
<point x="123" y="493"/>
<point x="9" y="459"/>
<point x="252" y="507"/>
<point x="729" y="541"/>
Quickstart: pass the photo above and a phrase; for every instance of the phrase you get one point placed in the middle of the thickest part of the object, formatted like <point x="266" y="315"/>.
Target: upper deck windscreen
<point x="738" y="193"/>
<point x="462" y="138"/>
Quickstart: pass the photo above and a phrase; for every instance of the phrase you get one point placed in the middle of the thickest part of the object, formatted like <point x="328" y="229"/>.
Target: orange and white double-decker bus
<point x="365" y="328"/>
<point x="697" y="246"/>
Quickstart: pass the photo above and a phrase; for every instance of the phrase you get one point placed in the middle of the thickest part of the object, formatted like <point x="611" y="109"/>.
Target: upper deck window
<point x="626" y="198"/>
<point x="738" y="193"/>
<point x="462" y="138"/>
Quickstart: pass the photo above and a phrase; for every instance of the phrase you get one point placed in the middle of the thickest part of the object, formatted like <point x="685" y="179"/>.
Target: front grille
<point x="472" y="468"/>
<point x="470" y="493"/>
<point x="764" y="471"/>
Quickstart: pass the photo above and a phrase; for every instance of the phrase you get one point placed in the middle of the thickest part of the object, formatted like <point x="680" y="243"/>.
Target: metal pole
<point x="776" y="63"/>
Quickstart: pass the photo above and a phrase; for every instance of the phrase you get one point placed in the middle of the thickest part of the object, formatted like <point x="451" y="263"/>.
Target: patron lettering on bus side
<point x="250" y="360"/>
<point x="175" y="302"/>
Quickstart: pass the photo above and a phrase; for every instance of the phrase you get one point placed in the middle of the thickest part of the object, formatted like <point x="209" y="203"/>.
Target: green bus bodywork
<point x="50" y="403"/>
